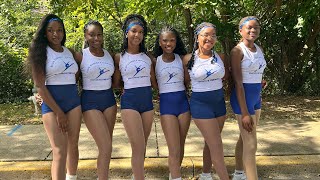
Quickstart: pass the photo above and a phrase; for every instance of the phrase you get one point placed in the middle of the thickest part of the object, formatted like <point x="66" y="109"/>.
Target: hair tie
<point x="203" y="28"/>
<point x="133" y="24"/>
<point x="54" y="19"/>
<point x="247" y="20"/>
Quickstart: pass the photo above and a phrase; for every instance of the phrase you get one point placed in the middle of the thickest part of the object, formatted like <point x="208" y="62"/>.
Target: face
<point x="94" y="36"/>
<point x="167" y="42"/>
<point x="250" y="30"/>
<point x="207" y="38"/>
<point x="54" y="33"/>
<point x="135" y="35"/>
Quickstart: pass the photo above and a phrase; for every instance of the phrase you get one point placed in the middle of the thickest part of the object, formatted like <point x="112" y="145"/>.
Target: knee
<point x="251" y="147"/>
<point x="59" y="152"/>
<point x="73" y="140"/>
<point x="105" y="148"/>
<point x="73" y="147"/>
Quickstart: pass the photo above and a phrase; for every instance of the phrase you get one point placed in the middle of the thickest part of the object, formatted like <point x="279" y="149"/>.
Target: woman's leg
<point x="59" y="145"/>
<point x="239" y="147"/>
<point x="184" y="124"/>
<point x="147" y="120"/>
<point x="210" y="130"/>
<point x="74" y="124"/>
<point x="110" y="114"/>
<point x="138" y="128"/>
<point x="207" y="164"/>
<point x="170" y="127"/>
<point x="97" y="125"/>
<point x="238" y="154"/>
<point x="249" y="147"/>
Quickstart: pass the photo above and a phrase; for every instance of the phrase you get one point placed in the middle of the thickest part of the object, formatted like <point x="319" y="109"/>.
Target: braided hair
<point x="134" y="18"/>
<point x="179" y="49"/>
<point x="37" y="56"/>
<point x="85" y="28"/>
<point x="198" y="29"/>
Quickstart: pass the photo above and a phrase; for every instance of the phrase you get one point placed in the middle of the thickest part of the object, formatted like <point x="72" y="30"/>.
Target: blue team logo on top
<point x="209" y="73"/>
<point x="261" y="65"/>
<point x="102" y="71"/>
<point x="171" y="75"/>
<point x="67" y="66"/>
<point x="138" y="69"/>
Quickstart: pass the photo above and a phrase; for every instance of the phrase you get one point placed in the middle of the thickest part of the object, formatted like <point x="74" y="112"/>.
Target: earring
<point x="126" y="36"/>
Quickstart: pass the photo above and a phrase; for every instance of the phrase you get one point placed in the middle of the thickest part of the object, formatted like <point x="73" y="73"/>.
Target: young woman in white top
<point x="174" y="105"/>
<point x="135" y="69"/>
<point x="248" y="64"/>
<point x="54" y="72"/>
<point x="97" y="99"/>
<point x="207" y="104"/>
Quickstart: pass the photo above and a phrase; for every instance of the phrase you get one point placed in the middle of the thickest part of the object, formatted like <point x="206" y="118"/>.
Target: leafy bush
<point x="14" y="85"/>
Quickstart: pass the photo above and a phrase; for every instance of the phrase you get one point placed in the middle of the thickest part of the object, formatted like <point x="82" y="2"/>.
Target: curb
<point x="269" y="167"/>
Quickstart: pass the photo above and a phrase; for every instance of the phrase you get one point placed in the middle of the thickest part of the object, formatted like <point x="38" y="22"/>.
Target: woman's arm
<point x="116" y="78"/>
<point x="153" y="79"/>
<point x="225" y="60"/>
<point x="185" y="61"/>
<point x="39" y="80"/>
<point x="78" y="58"/>
<point x="236" y="58"/>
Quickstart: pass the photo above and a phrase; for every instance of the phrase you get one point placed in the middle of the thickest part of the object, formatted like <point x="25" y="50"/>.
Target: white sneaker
<point x="239" y="176"/>
<point x="205" y="177"/>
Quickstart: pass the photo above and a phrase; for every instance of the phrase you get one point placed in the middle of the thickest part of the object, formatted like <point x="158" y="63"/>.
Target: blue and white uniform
<point x="61" y="69"/>
<point x="170" y="78"/>
<point x="135" y="71"/>
<point x="252" y="68"/>
<point x="97" y="80"/>
<point x="207" y="98"/>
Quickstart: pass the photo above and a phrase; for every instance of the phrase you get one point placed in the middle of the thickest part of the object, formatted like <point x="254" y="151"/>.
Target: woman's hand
<point x="39" y="99"/>
<point x="62" y="121"/>
<point x="247" y="123"/>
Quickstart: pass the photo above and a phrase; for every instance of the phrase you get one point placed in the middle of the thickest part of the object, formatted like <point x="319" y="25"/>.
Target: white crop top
<point x="207" y="74"/>
<point x="96" y="71"/>
<point x="60" y="67"/>
<point x="135" y="70"/>
<point x="252" y="64"/>
<point x="170" y="75"/>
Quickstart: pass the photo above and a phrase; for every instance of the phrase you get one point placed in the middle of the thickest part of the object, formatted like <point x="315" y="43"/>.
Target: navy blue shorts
<point x="174" y="103"/>
<point x="139" y="99"/>
<point x="207" y="105"/>
<point x="253" y="98"/>
<point x="66" y="96"/>
<point x="97" y="99"/>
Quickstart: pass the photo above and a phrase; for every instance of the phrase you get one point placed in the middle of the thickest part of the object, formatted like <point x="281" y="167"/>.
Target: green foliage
<point x="289" y="36"/>
<point x="13" y="84"/>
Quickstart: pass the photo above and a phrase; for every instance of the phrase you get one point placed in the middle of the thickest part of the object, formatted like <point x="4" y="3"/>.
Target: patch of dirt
<point x="273" y="108"/>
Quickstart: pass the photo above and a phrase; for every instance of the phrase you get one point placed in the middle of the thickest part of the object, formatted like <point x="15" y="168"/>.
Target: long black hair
<point x="85" y="28"/>
<point x="196" y="44"/>
<point x="179" y="49"/>
<point x="129" y="19"/>
<point x="37" y="56"/>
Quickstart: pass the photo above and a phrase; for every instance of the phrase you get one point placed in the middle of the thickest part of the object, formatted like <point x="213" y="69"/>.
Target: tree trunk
<point x="187" y="15"/>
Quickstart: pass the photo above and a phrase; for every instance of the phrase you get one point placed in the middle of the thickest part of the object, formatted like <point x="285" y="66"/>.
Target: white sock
<point x="71" y="177"/>
<point x="206" y="174"/>
<point x="239" y="171"/>
<point x="177" y="178"/>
